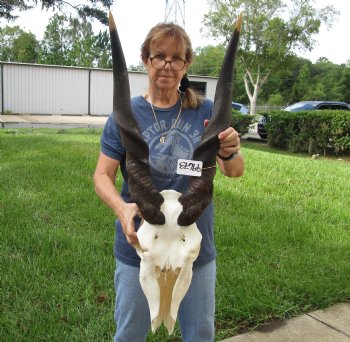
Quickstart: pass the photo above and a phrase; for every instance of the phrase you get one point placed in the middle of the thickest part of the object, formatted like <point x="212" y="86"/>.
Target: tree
<point x="303" y="83"/>
<point x="332" y="77"/>
<point x="346" y="82"/>
<point x="8" y="7"/>
<point x="289" y="73"/>
<point x="55" y="44"/>
<point x="7" y="37"/>
<point x="17" y="45"/>
<point x="73" y="43"/>
<point x="102" y="50"/>
<point x="268" y="37"/>
<point x="81" y="40"/>
<point x="25" y="48"/>
<point x="206" y="60"/>
<point x="276" y="100"/>
<point x="84" y="11"/>
<point x="140" y="67"/>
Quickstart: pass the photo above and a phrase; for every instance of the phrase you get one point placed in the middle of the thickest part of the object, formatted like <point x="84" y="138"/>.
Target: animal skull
<point x="167" y="254"/>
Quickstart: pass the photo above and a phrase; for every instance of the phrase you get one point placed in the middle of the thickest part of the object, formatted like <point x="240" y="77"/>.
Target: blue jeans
<point x="196" y="312"/>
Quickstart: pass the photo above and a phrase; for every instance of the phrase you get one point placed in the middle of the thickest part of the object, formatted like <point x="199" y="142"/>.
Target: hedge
<point x="241" y="122"/>
<point x="326" y="131"/>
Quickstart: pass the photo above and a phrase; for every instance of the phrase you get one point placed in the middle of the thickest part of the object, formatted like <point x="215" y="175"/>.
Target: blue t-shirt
<point x="180" y="143"/>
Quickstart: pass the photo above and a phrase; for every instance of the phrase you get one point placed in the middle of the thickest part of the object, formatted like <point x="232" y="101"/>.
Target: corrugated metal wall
<point x="43" y="89"/>
<point x="101" y="92"/>
<point x="101" y="89"/>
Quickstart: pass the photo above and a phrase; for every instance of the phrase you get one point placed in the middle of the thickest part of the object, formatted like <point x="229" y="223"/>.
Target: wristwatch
<point x="230" y="157"/>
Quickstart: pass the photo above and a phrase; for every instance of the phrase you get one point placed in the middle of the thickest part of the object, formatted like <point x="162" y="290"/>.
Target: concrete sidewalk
<point x="328" y="325"/>
<point x="72" y="121"/>
<point x="51" y="121"/>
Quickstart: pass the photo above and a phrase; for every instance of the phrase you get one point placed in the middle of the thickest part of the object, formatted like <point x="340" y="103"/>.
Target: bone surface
<point x="167" y="254"/>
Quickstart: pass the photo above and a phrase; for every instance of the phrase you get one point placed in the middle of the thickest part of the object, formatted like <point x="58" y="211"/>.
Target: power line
<point x="175" y="12"/>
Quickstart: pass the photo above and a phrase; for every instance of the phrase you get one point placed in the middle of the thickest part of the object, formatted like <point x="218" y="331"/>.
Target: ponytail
<point x="191" y="99"/>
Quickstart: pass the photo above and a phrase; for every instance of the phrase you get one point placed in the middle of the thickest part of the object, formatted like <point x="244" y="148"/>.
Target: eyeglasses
<point x="159" y="63"/>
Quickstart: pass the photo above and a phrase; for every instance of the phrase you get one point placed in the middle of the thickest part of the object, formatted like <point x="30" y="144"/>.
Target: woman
<point x="172" y="120"/>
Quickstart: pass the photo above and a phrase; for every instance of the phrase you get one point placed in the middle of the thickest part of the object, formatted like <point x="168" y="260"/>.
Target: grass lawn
<point x="282" y="235"/>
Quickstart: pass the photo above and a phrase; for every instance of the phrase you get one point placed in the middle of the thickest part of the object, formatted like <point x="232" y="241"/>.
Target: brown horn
<point x="200" y="191"/>
<point x="141" y="187"/>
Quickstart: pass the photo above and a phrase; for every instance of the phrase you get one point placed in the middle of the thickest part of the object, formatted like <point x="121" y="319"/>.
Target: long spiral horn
<point x="200" y="191"/>
<point x="141" y="187"/>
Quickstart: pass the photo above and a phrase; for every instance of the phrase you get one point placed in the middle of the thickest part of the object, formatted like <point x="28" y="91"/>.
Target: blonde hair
<point x="183" y="43"/>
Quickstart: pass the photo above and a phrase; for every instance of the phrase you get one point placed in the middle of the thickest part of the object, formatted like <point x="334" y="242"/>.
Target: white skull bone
<point x="167" y="254"/>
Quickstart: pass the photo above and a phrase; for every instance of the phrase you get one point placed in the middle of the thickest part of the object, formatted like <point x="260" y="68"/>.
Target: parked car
<point x="240" y="107"/>
<point x="304" y="105"/>
<point x="317" y="105"/>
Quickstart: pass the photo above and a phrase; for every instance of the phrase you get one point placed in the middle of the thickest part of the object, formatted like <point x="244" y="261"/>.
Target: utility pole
<point x="175" y="12"/>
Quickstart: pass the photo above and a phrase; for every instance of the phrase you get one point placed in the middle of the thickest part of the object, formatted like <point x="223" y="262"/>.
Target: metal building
<point x="47" y="89"/>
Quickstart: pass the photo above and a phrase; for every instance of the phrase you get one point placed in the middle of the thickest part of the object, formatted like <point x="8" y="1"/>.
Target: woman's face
<point x="165" y="79"/>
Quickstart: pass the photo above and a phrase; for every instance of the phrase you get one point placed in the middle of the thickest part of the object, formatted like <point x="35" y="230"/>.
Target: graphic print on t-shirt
<point x="179" y="144"/>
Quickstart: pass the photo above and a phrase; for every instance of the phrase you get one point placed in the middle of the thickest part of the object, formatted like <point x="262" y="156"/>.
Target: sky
<point x="134" y="18"/>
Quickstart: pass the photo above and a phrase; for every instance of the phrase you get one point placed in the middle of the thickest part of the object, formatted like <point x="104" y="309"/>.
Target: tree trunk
<point x="253" y="101"/>
<point x="253" y="96"/>
<point x="249" y="83"/>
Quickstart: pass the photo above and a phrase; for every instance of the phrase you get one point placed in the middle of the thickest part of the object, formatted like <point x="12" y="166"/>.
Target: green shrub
<point x="309" y="131"/>
<point x="276" y="100"/>
<point x="340" y="129"/>
<point x="277" y="129"/>
<point x="241" y="122"/>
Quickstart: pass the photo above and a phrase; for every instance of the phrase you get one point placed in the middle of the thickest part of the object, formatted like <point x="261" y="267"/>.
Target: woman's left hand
<point x="229" y="142"/>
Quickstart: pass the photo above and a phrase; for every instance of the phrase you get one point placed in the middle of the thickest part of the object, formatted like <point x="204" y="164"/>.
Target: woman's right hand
<point x="104" y="180"/>
<point x="130" y="210"/>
